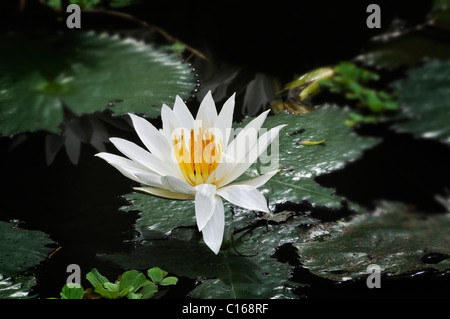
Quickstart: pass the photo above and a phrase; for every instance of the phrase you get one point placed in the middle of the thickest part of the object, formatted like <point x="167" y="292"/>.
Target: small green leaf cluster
<point x="308" y="83"/>
<point x="350" y="80"/>
<point x="72" y="291"/>
<point x="132" y="284"/>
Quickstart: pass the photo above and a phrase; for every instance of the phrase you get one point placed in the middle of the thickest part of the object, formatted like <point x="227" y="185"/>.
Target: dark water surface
<point x="78" y="206"/>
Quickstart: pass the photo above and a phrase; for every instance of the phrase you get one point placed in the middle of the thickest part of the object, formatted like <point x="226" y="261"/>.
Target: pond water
<point x="78" y="206"/>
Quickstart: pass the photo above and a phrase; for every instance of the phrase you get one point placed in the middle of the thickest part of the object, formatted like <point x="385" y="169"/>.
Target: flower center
<point x="198" y="155"/>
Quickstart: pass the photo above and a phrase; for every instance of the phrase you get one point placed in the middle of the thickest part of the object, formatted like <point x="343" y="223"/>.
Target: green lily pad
<point x="159" y="215"/>
<point x="21" y="249"/>
<point x="301" y="163"/>
<point x="84" y="72"/>
<point x="392" y="237"/>
<point x="424" y="98"/>
<point x="16" y="288"/>
<point x="326" y="122"/>
<point x="255" y="276"/>
<point x="239" y="277"/>
<point x="243" y="268"/>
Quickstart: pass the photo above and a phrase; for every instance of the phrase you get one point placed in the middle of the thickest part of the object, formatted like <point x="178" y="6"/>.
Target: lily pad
<point x="21" y="249"/>
<point x="393" y="237"/>
<point x="243" y="268"/>
<point x="16" y="288"/>
<point x="301" y="163"/>
<point x="424" y="98"/>
<point x="85" y="72"/>
<point x="256" y="275"/>
<point x="159" y="215"/>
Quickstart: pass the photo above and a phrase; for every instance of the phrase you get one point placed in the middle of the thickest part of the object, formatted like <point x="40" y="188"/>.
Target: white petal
<point x="251" y="128"/>
<point x="245" y="196"/>
<point x="164" y="193"/>
<point x="237" y="151"/>
<point x="130" y="169"/>
<point x="119" y="160"/>
<point x="207" y="112"/>
<point x="152" y="138"/>
<point x="252" y="155"/>
<point x="259" y="180"/>
<point x="204" y="204"/>
<point x="169" y="122"/>
<point x="183" y="114"/>
<point x="145" y="158"/>
<point x="149" y="179"/>
<point x="177" y="185"/>
<point x="225" y="119"/>
<point x="214" y="229"/>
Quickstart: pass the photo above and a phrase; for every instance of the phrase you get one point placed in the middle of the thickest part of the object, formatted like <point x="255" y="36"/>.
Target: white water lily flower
<point x="195" y="159"/>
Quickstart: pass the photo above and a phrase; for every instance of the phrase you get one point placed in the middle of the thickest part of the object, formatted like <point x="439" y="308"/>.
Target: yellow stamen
<point x="199" y="156"/>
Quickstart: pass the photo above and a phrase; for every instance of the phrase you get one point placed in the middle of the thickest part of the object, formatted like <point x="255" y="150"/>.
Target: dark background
<point x="78" y="205"/>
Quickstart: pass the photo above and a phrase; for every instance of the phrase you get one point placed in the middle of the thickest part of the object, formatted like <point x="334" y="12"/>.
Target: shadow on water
<point x="401" y="168"/>
<point x="78" y="206"/>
